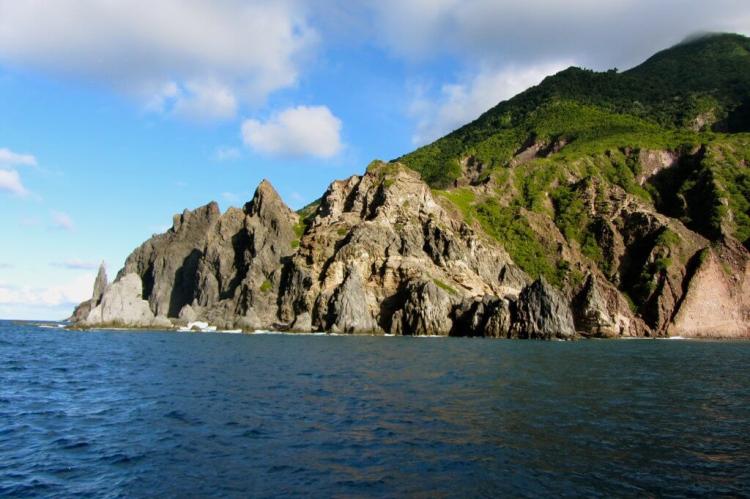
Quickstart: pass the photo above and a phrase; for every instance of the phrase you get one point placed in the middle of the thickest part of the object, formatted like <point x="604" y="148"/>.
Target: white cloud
<point x="10" y="182"/>
<point x="198" y="58"/>
<point x="492" y="40"/>
<point x="76" y="264"/>
<point x="61" y="220"/>
<point x="10" y="158"/>
<point x="224" y="153"/>
<point x="158" y="99"/>
<point x="67" y="293"/>
<point x="595" y="33"/>
<point x="205" y="100"/>
<point x="459" y="103"/>
<point x="296" y="132"/>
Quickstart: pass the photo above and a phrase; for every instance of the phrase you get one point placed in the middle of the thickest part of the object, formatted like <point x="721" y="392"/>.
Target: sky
<point x="114" y="116"/>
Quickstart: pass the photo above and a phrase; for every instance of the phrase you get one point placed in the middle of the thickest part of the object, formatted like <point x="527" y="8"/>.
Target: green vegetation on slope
<point x="564" y="143"/>
<point x="707" y="79"/>
<point x="306" y="215"/>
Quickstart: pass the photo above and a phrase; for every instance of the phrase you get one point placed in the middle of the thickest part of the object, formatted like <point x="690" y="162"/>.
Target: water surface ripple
<point x="180" y="414"/>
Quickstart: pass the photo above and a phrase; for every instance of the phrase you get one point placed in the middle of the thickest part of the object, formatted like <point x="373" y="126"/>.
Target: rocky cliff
<point x="381" y="254"/>
<point x="377" y="255"/>
<point x="593" y="205"/>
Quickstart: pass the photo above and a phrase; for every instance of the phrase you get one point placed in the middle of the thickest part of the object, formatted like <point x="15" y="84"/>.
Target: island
<point x="596" y="204"/>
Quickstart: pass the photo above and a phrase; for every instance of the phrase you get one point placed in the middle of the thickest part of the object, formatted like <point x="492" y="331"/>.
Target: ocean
<point x="144" y="414"/>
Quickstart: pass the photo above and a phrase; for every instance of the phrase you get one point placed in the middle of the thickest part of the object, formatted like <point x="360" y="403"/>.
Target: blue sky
<point x="115" y="116"/>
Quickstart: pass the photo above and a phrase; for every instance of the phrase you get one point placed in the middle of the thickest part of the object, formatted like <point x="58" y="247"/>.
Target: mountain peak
<point x="265" y="197"/>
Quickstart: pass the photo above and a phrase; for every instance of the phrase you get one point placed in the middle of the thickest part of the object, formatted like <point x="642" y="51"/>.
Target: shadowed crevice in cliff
<point x="351" y="198"/>
<point x="241" y="242"/>
<point x="667" y="183"/>
<point x="148" y="281"/>
<point x="286" y="281"/>
<point x="185" y="283"/>
<point x="388" y="307"/>
<point x="632" y="265"/>
<point x="739" y="119"/>
<point x="688" y="192"/>
<point x="369" y="210"/>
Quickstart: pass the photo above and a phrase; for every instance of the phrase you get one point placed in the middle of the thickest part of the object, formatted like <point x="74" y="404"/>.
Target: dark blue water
<point x="185" y="414"/>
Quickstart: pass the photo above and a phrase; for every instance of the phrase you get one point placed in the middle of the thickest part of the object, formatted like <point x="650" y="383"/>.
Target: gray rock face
<point x="349" y="310"/>
<point x="122" y="304"/>
<point x="82" y="311"/>
<point x="168" y="263"/>
<point x="379" y="255"/>
<point x="100" y="285"/>
<point x="541" y="312"/>
<point x="591" y="315"/>
<point x="217" y="267"/>
<point x="489" y="316"/>
<point x="427" y="310"/>
<point x="187" y="314"/>
<point x="600" y="311"/>
<point x="388" y="226"/>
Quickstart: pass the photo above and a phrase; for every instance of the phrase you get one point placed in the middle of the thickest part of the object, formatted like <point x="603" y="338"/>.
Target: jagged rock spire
<point x="265" y="198"/>
<point x="100" y="284"/>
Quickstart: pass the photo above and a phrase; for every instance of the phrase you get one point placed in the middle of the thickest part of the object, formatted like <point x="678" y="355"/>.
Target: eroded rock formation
<point x="379" y="254"/>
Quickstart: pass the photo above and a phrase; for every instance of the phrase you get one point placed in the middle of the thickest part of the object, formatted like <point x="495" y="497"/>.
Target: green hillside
<point x="547" y="172"/>
<point x="707" y="79"/>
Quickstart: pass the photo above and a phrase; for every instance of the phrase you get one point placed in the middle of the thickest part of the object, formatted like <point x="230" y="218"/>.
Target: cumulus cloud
<point x="295" y="132"/>
<point x="10" y="158"/>
<point x="459" y="103"/>
<point x="196" y="58"/>
<point x="10" y="182"/>
<point x="61" y="220"/>
<point x="76" y="264"/>
<point x="67" y="293"/>
<point x="207" y="99"/>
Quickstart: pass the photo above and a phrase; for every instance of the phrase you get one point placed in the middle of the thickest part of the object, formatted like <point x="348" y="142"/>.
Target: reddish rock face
<point x="717" y="300"/>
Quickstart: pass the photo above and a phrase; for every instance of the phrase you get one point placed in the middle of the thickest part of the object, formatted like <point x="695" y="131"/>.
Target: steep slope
<point x="377" y="255"/>
<point x="625" y="176"/>
<point x="703" y="83"/>
<point x="595" y="204"/>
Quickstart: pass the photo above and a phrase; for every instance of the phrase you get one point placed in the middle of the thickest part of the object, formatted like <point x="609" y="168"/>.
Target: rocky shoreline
<point x="382" y="254"/>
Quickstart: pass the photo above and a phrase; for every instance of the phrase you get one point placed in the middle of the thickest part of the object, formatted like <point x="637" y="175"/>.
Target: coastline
<point x="62" y="326"/>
